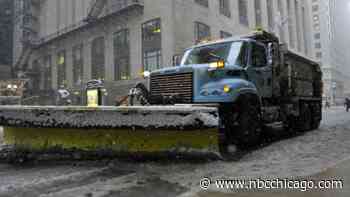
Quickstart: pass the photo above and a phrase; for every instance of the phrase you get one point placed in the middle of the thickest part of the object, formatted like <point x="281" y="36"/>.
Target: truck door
<point x="258" y="70"/>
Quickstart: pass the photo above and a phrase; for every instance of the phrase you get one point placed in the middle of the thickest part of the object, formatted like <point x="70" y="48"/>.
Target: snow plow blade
<point x="121" y="130"/>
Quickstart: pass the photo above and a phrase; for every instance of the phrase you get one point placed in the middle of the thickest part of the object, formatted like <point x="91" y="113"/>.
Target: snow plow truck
<point x="218" y="99"/>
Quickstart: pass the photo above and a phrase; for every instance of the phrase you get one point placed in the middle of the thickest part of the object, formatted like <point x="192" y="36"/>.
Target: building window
<point x="317" y="36"/>
<point x="61" y="68"/>
<point x="319" y="55"/>
<point x="152" y="60"/>
<point x="290" y="24"/>
<point x="317" y="27"/>
<point x="258" y="13"/>
<point x="224" y="34"/>
<point x="151" y="30"/>
<point x="47" y="72"/>
<point x="78" y="64"/>
<point x="317" y="45"/>
<point x="270" y="21"/>
<point x="225" y="8"/>
<point x="121" y="55"/>
<point x="202" y="32"/>
<point x="243" y="12"/>
<point x="152" y="44"/>
<point x="6" y="32"/>
<point x="204" y="3"/>
<point x="98" y="58"/>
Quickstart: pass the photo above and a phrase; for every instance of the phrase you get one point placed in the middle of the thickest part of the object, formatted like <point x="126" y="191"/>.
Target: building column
<point x="135" y="49"/>
<point x="294" y="25"/>
<point x="285" y="19"/>
<point x="87" y="61"/>
<point x="109" y="57"/>
<point x="264" y="15"/>
<point x="54" y="70"/>
<point x="69" y="67"/>
<point x="251" y="14"/>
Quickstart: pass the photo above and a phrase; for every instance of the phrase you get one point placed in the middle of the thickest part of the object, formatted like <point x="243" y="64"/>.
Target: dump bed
<point x="301" y="77"/>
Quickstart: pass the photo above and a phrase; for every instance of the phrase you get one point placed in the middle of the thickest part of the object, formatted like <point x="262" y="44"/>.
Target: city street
<point x="314" y="154"/>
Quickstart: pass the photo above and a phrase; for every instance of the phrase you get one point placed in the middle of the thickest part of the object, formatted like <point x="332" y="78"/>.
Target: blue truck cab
<point x="215" y="72"/>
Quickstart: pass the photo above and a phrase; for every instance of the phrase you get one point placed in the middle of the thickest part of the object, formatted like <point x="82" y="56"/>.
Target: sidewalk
<point x="338" y="107"/>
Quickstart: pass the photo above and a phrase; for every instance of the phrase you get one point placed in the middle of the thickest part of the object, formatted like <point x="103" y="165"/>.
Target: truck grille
<point x="175" y="88"/>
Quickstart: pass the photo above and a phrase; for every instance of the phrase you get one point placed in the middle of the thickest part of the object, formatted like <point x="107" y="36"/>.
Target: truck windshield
<point x="230" y="52"/>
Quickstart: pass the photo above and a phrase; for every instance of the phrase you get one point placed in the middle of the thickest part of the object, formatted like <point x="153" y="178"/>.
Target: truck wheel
<point x="241" y="126"/>
<point x="249" y="125"/>
<point x="227" y="127"/>
<point x="316" y="125"/>
<point x="316" y="122"/>
<point x="290" y="124"/>
<point x="305" y="119"/>
<point x="316" y="117"/>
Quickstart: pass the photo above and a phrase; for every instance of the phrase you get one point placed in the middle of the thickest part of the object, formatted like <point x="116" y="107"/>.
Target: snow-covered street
<point x="302" y="156"/>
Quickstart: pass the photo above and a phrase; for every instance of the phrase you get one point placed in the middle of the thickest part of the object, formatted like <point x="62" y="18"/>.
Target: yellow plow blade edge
<point x="117" y="140"/>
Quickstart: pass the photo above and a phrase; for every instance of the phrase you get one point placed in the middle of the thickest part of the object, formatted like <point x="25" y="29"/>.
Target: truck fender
<point x="251" y="96"/>
<point x="247" y="91"/>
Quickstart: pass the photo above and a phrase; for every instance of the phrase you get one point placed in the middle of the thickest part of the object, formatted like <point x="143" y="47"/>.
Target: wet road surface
<point x="319" y="154"/>
<point x="338" y="172"/>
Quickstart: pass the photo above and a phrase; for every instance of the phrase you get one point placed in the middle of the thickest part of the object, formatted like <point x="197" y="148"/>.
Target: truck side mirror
<point x="270" y="54"/>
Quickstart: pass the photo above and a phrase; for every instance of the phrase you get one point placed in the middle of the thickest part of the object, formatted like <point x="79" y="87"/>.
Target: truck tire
<point x="289" y="125"/>
<point x="305" y="119"/>
<point x="249" y="124"/>
<point x="241" y="125"/>
<point x="316" y="116"/>
<point x="301" y="123"/>
<point x="315" y="124"/>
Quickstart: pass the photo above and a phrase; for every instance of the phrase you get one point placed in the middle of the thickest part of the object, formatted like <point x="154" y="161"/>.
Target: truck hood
<point x="191" y="68"/>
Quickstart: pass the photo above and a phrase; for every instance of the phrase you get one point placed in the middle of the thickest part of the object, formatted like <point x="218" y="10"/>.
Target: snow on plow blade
<point x="124" y="130"/>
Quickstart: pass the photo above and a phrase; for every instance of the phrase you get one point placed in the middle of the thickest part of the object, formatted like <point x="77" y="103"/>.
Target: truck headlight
<point x="146" y="74"/>
<point x="227" y="89"/>
<point x="217" y="65"/>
